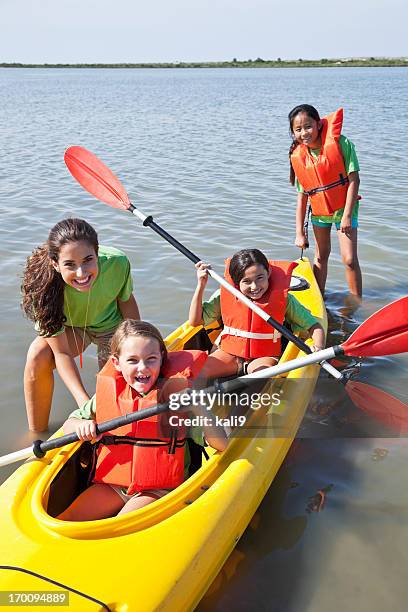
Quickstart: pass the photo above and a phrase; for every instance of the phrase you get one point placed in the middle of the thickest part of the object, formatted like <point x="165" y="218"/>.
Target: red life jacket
<point x="245" y="334"/>
<point x="137" y="455"/>
<point x="324" y="179"/>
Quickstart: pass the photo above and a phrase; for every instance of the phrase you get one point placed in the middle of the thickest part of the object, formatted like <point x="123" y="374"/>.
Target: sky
<point x="109" y="31"/>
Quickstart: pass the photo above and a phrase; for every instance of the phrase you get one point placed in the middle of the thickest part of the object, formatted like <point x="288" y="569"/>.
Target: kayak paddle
<point x="384" y="333"/>
<point x="388" y="409"/>
<point x="39" y="447"/>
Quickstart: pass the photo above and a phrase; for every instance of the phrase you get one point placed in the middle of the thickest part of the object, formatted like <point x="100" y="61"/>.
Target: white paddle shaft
<point x="264" y="315"/>
<point x="24" y="453"/>
<point x="294" y="364"/>
<point x="135" y="211"/>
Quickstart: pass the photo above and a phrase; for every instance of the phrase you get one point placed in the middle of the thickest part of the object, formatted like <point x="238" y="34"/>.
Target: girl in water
<point x="77" y="293"/>
<point x="324" y="164"/>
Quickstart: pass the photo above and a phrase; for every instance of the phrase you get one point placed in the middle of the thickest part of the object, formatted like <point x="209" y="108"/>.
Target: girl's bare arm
<point x="66" y="367"/>
<point x="129" y="309"/>
<point x="195" y="315"/>
<point x="300" y="219"/>
<point x="351" y="199"/>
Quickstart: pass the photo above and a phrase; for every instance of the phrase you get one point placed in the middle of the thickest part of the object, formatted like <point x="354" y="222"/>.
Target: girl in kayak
<point x="77" y="293"/>
<point x="325" y="167"/>
<point x="139" y="462"/>
<point x="247" y="343"/>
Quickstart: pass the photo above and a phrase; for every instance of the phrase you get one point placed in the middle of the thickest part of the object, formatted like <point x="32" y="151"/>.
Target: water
<point x="205" y="152"/>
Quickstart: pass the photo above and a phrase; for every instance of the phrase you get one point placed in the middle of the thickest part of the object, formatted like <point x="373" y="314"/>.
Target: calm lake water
<point x="205" y="152"/>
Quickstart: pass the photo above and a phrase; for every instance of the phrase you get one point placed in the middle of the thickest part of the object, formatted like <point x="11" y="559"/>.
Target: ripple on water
<point x="205" y="152"/>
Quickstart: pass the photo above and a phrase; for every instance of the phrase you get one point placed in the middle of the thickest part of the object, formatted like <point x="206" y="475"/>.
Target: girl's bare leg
<point x="261" y="363"/>
<point x="39" y="379"/>
<point x="348" y="250"/>
<point x="135" y="503"/>
<point x="219" y="364"/>
<point x="97" y="502"/>
<point x="38" y="384"/>
<point x="322" y="253"/>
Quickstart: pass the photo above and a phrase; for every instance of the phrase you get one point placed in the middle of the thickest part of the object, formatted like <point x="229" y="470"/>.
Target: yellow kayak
<point x="164" y="556"/>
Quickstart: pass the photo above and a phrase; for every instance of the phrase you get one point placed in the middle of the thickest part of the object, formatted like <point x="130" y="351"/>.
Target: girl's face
<point x="139" y="361"/>
<point x="306" y="131"/>
<point x="77" y="264"/>
<point x="255" y="282"/>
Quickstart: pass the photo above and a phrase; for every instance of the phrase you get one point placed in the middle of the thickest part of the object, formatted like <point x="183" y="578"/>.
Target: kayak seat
<point x="199" y="342"/>
<point x="285" y="341"/>
<point x="71" y="480"/>
<point x="77" y="473"/>
<point x="196" y="456"/>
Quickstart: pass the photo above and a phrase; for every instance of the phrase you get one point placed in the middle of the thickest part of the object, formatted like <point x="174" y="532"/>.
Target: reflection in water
<point x="379" y="454"/>
<point x="351" y="304"/>
<point x="316" y="502"/>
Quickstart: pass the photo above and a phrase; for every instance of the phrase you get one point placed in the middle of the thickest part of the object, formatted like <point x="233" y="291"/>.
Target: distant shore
<point x="256" y="63"/>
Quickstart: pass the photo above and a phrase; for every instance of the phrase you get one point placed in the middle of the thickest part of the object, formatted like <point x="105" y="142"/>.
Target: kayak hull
<point x="165" y="556"/>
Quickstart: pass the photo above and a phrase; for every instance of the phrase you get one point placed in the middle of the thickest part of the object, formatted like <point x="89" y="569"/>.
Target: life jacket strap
<point x="343" y="180"/>
<point x="173" y="443"/>
<point x="232" y="331"/>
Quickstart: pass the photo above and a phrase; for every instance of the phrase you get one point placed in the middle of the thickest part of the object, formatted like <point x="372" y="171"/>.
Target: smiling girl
<point x="77" y="293"/>
<point x="247" y="342"/>
<point x="138" y="463"/>
<point x="324" y="165"/>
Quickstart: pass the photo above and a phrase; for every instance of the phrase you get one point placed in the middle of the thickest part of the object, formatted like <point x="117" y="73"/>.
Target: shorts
<point x="101" y="339"/>
<point x="242" y="365"/>
<point x="328" y="220"/>
<point x="121" y="491"/>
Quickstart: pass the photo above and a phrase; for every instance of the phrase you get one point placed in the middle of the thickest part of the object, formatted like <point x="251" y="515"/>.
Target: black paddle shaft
<point x="148" y="222"/>
<point x="40" y="448"/>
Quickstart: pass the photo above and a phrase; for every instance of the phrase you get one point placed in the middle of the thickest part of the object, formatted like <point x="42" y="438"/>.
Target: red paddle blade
<point x="95" y="177"/>
<point x="339" y="363"/>
<point x="379" y="405"/>
<point x="384" y="333"/>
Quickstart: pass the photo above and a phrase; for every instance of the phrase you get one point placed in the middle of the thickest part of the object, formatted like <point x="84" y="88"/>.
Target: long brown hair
<point x="131" y="327"/>
<point x="311" y="112"/>
<point x="43" y="286"/>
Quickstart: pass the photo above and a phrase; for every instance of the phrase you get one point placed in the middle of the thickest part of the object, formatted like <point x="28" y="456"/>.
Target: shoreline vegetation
<point x="235" y="63"/>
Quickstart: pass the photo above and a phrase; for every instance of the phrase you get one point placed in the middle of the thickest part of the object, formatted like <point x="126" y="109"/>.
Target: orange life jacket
<point x="138" y="455"/>
<point x="245" y="334"/>
<point x="324" y="179"/>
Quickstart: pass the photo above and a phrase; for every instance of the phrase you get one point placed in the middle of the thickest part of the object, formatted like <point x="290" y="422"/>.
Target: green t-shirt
<point x="299" y="317"/>
<point x="113" y="283"/>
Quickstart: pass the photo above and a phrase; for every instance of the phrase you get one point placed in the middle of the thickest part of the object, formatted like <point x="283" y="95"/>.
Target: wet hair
<point x="311" y="112"/>
<point x="131" y="328"/>
<point x="243" y="260"/>
<point x="43" y="286"/>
